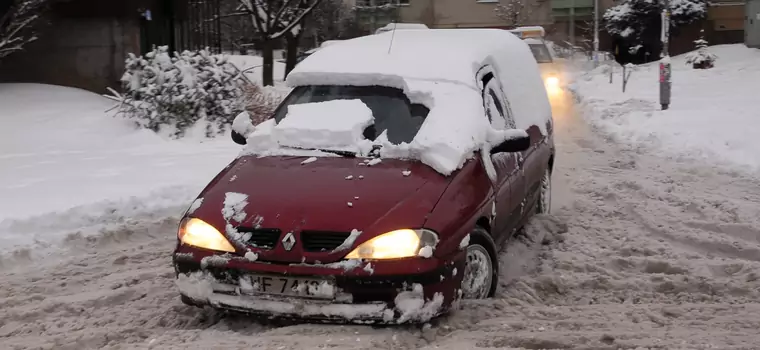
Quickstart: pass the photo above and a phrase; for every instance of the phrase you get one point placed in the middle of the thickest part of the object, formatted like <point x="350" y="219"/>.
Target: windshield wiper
<point x="347" y="154"/>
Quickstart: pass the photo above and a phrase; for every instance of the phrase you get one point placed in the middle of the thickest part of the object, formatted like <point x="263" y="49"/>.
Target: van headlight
<point x="552" y="82"/>
<point x="404" y="243"/>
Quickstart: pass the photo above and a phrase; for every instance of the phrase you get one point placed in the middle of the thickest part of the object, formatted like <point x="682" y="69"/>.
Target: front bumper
<point x="390" y="292"/>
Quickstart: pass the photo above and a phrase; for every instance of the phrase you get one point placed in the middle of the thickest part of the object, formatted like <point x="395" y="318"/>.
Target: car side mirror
<point x="515" y="144"/>
<point x="237" y="138"/>
<point x="241" y="128"/>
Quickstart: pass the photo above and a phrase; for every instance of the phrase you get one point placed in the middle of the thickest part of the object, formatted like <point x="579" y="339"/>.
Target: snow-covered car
<point x="382" y="188"/>
<point x="308" y="53"/>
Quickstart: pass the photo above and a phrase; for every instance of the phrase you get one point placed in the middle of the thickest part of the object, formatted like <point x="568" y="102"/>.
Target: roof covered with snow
<point x="442" y="55"/>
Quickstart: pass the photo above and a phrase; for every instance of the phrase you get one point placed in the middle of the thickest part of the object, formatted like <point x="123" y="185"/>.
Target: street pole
<point x="596" y="33"/>
<point x="665" y="57"/>
<point x="572" y="22"/>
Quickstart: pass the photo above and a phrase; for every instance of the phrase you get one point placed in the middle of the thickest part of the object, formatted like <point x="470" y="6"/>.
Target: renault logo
<point x="289" y="241"/>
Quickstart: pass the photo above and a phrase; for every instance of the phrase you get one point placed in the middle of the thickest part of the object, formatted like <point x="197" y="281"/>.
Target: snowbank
<point x="59" y="150"/>
<point x="713" y="113"/>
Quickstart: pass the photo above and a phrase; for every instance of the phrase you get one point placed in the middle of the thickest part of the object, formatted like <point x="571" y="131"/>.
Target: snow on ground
<point x="66" y="164"/>
<point x="713" y="116"/>
<point x="641" y="252"/>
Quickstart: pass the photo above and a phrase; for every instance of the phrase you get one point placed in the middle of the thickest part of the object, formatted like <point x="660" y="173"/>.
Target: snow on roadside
<point x="713" y="115"/>
<point x="66" y="162"/>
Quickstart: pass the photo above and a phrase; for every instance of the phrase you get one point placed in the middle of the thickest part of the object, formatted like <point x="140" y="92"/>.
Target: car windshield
<point x="541" y="53"/>
<point x="392" y="110"/>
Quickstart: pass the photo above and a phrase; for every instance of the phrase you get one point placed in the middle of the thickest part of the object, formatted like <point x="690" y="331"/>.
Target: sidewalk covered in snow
<point x="713" y="115"/>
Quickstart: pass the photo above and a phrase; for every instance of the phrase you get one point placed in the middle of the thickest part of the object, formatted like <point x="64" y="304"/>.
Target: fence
<point x="183" y="25"/>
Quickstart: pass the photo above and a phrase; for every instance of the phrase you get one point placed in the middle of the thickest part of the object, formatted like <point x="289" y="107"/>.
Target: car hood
<point x="329" y="194"/>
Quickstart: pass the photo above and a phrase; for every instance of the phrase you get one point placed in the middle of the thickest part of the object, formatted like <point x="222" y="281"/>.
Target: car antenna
<point x="393" y="34"/>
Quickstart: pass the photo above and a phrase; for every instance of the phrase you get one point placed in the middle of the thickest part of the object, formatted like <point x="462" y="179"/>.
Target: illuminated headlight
<point x="552" y="82"/>
<point x="396" y="244"/>
<point x="198" y="233"/>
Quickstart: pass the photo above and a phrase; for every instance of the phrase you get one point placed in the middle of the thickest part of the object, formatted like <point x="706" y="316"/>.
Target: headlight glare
<point x="552" y="82"/>
<point x="196" y="232"/>
<point x="404" y="243"/>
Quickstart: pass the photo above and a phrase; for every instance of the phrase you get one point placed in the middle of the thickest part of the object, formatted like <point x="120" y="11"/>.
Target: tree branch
<point x="296" y="21"/>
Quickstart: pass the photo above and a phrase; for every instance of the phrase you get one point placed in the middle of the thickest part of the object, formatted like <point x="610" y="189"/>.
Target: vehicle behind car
<point x="534" y="36"/>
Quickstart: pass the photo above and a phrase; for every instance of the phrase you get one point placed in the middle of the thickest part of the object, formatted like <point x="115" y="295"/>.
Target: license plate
<point x="287" y="286"/>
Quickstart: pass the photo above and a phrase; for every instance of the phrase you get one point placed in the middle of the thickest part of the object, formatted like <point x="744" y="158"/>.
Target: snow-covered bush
<point x="701" y="58"/>
<point x="260" y="102"/>
<point x="177" y="92"/>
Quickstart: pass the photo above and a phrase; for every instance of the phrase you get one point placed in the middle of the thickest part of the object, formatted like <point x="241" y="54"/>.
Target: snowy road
<point x="644" y="252"/>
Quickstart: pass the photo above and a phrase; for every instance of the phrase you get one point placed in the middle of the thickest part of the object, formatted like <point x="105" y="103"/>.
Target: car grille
<point x="264" y="238"/>
<point x="322" y="241"/>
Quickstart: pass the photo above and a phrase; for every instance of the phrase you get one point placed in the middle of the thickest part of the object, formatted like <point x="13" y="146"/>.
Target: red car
<point x="398" y="226"/>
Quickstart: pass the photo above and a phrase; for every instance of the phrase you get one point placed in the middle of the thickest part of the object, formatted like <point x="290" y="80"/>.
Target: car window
<point x="541" y="53"/>
<point x="394" y="113"/>
<point x="497" y="111"/>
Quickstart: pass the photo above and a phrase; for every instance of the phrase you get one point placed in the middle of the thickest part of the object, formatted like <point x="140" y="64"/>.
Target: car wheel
<point x="545" y="194"/>
<point x="479" y="273"/>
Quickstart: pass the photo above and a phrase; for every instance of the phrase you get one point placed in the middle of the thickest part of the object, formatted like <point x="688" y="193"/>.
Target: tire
<point x="481" y="273"/>
<point x="544" y="203"/>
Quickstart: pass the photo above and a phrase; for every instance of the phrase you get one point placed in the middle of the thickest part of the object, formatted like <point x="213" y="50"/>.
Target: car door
<point x="508" y="185"/>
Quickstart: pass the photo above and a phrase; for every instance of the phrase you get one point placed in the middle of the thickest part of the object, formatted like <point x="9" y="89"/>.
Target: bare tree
<point x="516" y="12"/>
<point x="332" y="20"/>
<point x="238" y="32"/>
<point x="274" y="19"/>
<point x="17" y="19"/>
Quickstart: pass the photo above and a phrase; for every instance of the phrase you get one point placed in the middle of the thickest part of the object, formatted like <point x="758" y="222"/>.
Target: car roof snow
<point x="440" y="55"/>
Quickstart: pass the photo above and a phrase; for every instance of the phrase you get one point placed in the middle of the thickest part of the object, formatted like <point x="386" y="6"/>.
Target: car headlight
<point x="552" y="82"/>
<point x="404" y="243"/>
<point x="198" y="233"/>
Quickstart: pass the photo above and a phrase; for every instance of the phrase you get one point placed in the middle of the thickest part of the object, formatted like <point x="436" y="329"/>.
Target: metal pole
<point x="572" y="22"/>
<point x="596" y="33"/>
<point x="665" y="57"/>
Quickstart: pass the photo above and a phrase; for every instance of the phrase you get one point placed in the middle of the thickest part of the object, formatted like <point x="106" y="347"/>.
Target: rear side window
<point x="541" y="53"/>
<point x="497" y="110"/>
<point x="394" y="113"/>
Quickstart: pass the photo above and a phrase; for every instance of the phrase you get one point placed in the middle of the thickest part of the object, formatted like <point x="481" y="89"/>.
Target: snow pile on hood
<point x="712" y="116"/>
<point x="338" y="123"/>
<point x="423" y="64"/>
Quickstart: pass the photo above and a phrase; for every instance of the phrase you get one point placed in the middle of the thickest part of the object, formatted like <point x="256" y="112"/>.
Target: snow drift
<point x="61" y="153"/>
